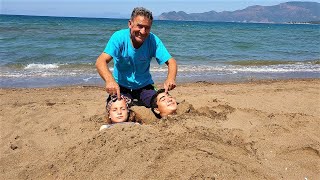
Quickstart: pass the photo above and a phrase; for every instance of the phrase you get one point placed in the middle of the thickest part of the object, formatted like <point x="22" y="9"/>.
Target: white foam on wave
<point x="42" y="66"/>
<point x="55" y="70"/>
<point x="87" y="79"/>
<point x="11" y="75"/>
<point x="278" y="68"/>
<point x="299" y="67"/>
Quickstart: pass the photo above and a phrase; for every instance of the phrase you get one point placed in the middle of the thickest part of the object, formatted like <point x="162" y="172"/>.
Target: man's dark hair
<point x="154" y="104"/>
<point x="141" y="11"/>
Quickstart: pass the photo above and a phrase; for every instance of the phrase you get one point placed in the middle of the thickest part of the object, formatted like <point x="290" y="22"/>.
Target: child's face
<point x="166" y="104"/>
<point x="118" y="111"/>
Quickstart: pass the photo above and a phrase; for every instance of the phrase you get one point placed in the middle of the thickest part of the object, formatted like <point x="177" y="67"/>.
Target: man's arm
<point x="170" y="82"/>
<point x="112" y="86"/>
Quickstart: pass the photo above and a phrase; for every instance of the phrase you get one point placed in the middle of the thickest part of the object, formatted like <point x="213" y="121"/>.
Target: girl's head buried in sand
<point x="118" y="110"/>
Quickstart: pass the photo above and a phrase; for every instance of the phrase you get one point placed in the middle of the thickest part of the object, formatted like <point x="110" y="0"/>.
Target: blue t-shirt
<point x="132" y="66"/>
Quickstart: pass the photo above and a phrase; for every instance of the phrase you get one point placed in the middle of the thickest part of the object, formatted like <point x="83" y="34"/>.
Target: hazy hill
<point x="281" y="13"/>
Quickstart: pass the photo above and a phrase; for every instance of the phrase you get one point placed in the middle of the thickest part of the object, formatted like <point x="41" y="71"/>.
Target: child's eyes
<point x="114" y="110"/>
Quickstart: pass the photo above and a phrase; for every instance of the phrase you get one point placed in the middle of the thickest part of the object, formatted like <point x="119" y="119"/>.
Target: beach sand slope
<point x="253" y="130"/>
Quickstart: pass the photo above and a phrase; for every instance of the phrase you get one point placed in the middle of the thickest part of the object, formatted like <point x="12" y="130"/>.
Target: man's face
<point x="118" y="111"/>
<point x="166" y="104"/>
<point x="140" y="28"/>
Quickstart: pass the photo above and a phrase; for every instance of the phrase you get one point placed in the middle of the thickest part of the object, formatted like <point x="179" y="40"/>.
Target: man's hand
<point x="113" y="88"/>
<point x="169" y="85"/>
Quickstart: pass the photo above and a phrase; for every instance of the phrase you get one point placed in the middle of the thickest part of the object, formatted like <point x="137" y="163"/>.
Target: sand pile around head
<point x="235" y="131"/>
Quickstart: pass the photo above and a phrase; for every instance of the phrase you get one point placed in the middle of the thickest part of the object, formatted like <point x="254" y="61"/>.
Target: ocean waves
<point x="45" y="70"/>
<point x="44" y="75"/>
<point x="47" y="51"/>
<point x="55" y="69"/>
<point x="281" y="68"/>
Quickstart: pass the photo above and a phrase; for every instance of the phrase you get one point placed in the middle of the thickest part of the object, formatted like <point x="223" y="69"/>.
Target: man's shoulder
<point x="153" y="37"/>
<point x="122" y="33"/>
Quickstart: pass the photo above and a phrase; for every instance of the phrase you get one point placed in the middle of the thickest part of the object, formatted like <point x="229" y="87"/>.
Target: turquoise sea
<point x="58" y="51"/>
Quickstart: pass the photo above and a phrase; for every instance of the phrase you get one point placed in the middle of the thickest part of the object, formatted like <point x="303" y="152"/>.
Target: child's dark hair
<point x="154" y="104"/>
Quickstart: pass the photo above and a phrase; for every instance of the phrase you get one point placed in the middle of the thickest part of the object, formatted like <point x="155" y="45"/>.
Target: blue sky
<point x="123" y="8"/>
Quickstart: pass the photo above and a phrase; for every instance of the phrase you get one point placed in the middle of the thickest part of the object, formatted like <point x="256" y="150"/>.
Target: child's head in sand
<point x="118" y="110"/>
<point x="163" y="104"/>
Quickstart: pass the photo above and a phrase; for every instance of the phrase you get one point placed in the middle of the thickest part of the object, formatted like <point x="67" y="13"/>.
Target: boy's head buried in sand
<point x="163" y="104"/>
<point x="118" y="110"/>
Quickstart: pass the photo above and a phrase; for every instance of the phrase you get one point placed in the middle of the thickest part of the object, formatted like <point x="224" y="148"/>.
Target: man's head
<point x="140" y="25"/>
<point x="163" y="104"/>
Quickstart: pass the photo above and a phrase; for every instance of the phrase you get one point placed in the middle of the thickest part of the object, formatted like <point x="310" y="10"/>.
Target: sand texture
<point x="253" y="130"/>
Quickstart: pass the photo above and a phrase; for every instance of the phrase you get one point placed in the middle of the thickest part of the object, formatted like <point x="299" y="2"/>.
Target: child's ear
<point x="156" y="110"/>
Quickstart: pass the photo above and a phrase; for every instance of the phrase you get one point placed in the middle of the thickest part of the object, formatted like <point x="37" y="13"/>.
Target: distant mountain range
<point x="289" y="12"/>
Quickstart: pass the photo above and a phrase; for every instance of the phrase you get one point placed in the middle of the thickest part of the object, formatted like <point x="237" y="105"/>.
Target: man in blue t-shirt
<point x="132" y="50"/>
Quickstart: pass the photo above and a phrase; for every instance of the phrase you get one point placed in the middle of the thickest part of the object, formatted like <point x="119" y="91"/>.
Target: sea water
<point x="56" y="51"/>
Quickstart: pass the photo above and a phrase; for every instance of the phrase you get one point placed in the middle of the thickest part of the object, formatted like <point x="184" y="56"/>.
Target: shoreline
<point x="252" y="130"/>
<point x="253" y="80"/>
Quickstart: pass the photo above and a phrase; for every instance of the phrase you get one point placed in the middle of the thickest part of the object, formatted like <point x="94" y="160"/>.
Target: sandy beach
<point x="251" y="130"/>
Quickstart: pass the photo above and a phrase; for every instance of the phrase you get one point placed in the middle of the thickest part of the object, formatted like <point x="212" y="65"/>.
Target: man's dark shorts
<point x="143" y="95"/>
